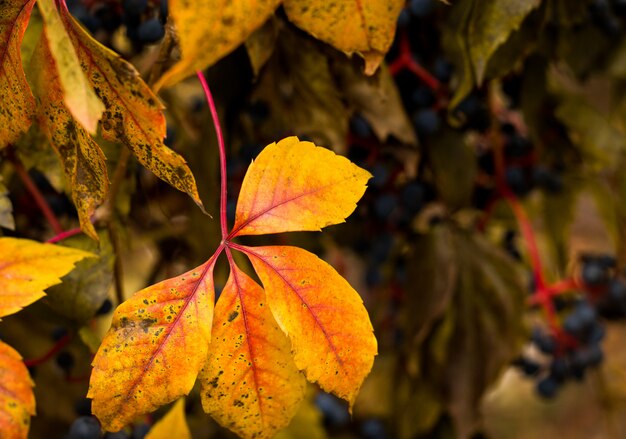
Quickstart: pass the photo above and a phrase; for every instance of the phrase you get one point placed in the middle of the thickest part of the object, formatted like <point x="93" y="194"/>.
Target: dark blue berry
<point x="134" y="7"/>
<point x="84" y="427"/>
<point x="426" y="121"/>
<point x="150" y="31"/>
<point x="421" y="8"/>
<point x="105" y="308"/>
<point x="548" y="387"/>
<point x="360" y="127"/>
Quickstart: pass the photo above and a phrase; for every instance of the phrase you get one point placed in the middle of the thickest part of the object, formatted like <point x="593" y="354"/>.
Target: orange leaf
<point x="134" y="115"/>
<point x="209" y="29"/>
<point x="157" y="344"/>
<point x="294" y="185"/>
<point x="17" y="402"/>
<point x="18" y="104"/>
<point x="28" y="267"/>
<point x="83" y="161"/>
<point x="172" y="425"/>
<point x="330" y="331"/>
<point x="250" y="383"/>
<point x="364" y="27"/>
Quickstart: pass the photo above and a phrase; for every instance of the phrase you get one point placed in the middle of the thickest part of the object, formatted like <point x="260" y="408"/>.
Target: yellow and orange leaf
<point x="17" y="402"/>
<point x="134" y="115"/>
<point x="80" y="99"/>
<point x="155" y="348"/>
<point x="294" y="185"/>
<point x="28" y="267"/>
<point x="250" y="383"/>
<point x="172" y="425"/>
<point x="331" y="335"/>
<point x="16" y="112"/>
<point x="208" y="30"/>
<point x="364" y="27"/>
<point x="83" y="161"/>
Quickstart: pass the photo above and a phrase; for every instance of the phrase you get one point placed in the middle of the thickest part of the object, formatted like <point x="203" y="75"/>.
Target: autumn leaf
<point x="80" y="99"/>
<point x="16" y="112"/>
<point x="250" y="383"/>
<point x="83" y="161"/>
<point x="294" y="185"/>
<point x="330" y="331"/>
<point x="17" y="402"/>
<point x="28" y="267"/>
<point x="155" y="348"/>
<point x="208" y="30"/>
<point x="172" y="425"/>
<point x="134" y="115"/>
<point x="352" y="26"/>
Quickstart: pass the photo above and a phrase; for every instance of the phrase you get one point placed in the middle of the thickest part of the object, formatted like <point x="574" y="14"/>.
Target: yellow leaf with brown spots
<point x="78" y="95"/>
<point x="172" y="425"/>
<point x="352" y="26"/>
<point x="331" y="335"/>
<point x="208" y="30"/>
<point x="16" y="112"/>
<point x="250" y="383"/>
<point x="155" y="348"/>
<point x="28" y="267"/>
<point x="83" y="161"/>
<point x="17" y="402"/>
<point x="133" y="115"/>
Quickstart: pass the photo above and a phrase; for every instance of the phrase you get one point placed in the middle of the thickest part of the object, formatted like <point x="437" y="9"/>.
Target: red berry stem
<point x="56" y="348"/>
<point x="406" y="61"/>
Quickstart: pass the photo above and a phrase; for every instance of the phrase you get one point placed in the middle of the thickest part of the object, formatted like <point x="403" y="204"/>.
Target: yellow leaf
<point x="16" y="111"/>
<point x="172" y="425"/>
<point x="17" y="402"/>
<point x="294" y="185"/>
<point x="331" y="334"/>
<point x="208" y="30"/>
<point x="79" y="97"/>
<point x="250" y="383"/>
<point x="28" y="267"/>
<point x="155" y="348"/>
<point x="364" y="27"/>
<point x="83" y="160"/>
<point x="134" y="115"/>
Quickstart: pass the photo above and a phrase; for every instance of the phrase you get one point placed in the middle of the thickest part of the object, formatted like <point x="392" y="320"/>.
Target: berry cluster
<point x="142" y="19"/>
<point x="575" y="345"/>
<point x="608" y="16"/>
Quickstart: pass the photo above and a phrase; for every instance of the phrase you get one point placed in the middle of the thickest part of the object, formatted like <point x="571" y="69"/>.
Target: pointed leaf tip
<point x="297" y="186"/>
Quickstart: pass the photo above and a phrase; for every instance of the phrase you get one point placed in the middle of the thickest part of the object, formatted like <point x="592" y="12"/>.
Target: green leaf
<point x="6" y="208"/>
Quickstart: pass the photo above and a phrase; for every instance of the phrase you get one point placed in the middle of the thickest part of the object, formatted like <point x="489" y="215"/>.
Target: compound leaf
<point x="250" y="383"/>
<point x="28" y="267"/>
<point x="294" y="185"/>
<point x="208" y="30"/>
<point x="17" y="402"/>
<point x="16" y="112"/>
<point x="173" y="424"/>
<point x="134" y="115"/>
<point x="330" y="331"/>
<point x="366" y="28"/>
<point x="155" y="348"/>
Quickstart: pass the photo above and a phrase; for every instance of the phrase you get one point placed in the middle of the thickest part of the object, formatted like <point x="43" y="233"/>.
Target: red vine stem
<point x="64" y="235"/>
<point x="406" y="61"/>
<point x="60" y="344"/>
<point x="222" y="149"/>
<point x="37" y="196"/>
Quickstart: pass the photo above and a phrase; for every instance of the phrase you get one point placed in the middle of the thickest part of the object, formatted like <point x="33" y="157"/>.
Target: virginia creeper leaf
<point x="155" y="348"/>
<point x="172" y="425"/>
<point x="16" y="112"/>
<point x="134" y="115"/>
<point x="294" y="185"/>
<point x="208" y="30"/>
<point x="83" y="160"/>
<point x="330" y="331"/>
<point x="28" y="267"/>
<point x="366" y="28"/>
<point x="250" y="383"/>
<point x="17" y="402"/>
<point x="79" y="97"/>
